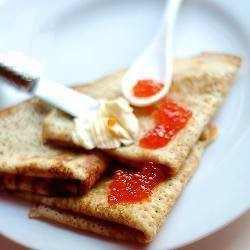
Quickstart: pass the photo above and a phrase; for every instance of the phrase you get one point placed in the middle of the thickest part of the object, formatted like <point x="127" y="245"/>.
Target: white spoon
<point x="156" y="62"/>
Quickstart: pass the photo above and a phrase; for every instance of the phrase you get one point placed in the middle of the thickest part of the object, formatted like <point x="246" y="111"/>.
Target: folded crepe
<point x="199" y="84"/>
<point x="26" y="163"/>
<point x="138" y="222"/>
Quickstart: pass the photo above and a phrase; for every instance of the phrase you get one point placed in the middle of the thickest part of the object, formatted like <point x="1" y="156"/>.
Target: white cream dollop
<point x="112" y="126"/>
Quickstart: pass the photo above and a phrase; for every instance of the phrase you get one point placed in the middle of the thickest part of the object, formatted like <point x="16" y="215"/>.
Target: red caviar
<point x="170" y="118"/>
<point x="146" y="88"/>
<point x="111" y="122"/>
<point x="129" y="186"/>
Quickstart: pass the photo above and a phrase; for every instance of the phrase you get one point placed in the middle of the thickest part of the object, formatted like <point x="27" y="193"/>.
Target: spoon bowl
<point x="156" y="62"/>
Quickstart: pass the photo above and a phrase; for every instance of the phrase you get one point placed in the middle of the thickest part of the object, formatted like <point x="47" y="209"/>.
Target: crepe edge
<point x="116" y="230"/>
<point x="172" y="164"/>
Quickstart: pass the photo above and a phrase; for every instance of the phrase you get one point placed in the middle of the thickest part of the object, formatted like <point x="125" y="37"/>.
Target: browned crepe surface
<point x="199" y="84"/>
<point x="137" y="222"/>
<point x="26" y="163"/>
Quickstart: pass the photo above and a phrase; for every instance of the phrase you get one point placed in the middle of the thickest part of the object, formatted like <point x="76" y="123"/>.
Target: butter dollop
<point x="112" y="126"/>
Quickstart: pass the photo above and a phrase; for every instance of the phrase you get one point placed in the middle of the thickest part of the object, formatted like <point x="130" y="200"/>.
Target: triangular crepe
<point x="137" y="222"/>
<point x="200" y="84"/>
<point x="26" y="163"/>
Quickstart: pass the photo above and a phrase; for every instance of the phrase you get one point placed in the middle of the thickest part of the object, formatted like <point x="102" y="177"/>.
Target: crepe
<point x="199" y="84"/>
<point x="26" y="163"/>
<point x="138" y="222"/>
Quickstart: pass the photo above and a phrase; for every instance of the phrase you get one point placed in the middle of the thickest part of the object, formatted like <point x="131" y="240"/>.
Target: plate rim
<point x="229" y="221"/>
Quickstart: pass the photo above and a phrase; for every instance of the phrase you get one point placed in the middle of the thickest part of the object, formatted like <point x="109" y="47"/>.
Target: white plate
<point x="81" y="40"/>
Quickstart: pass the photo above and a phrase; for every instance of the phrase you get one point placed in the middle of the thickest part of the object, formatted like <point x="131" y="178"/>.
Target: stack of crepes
<point x="40" y="161"/>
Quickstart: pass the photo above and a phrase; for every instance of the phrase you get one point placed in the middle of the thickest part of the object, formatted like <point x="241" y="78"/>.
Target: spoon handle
<point x="170" y="13"/>
<point x="166" y="34"/>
